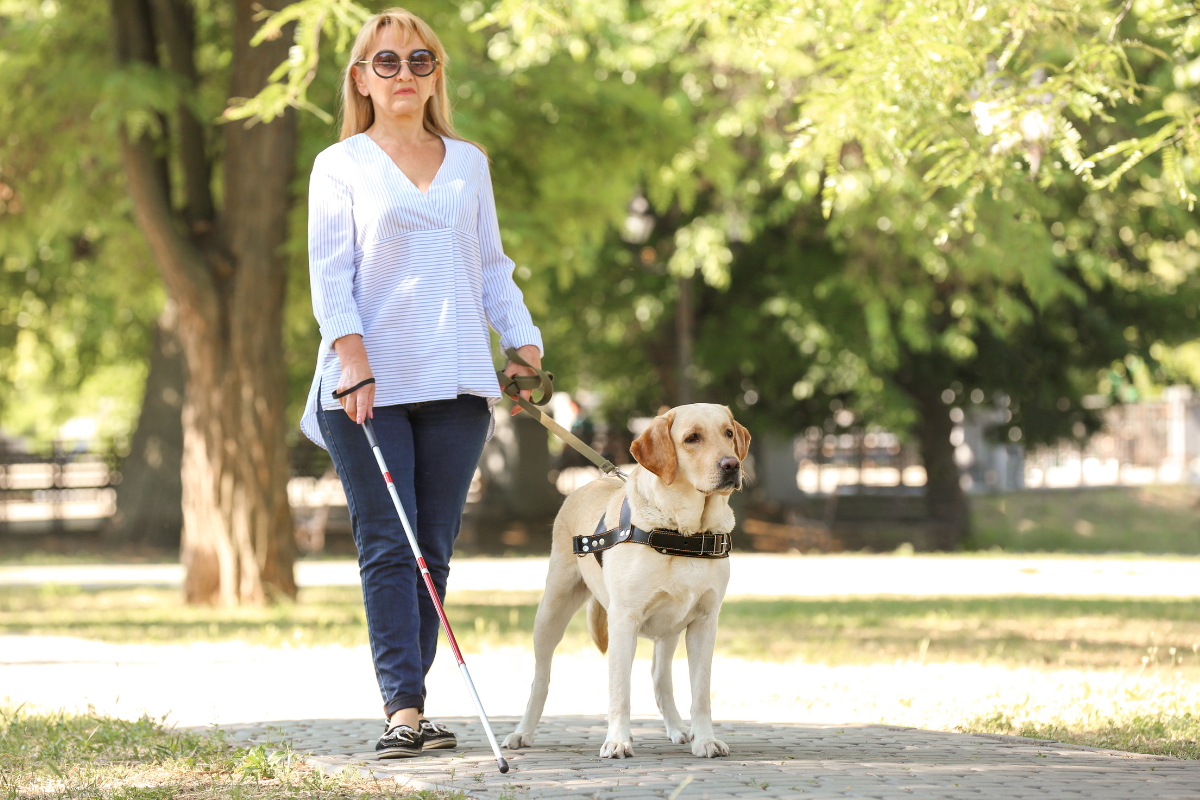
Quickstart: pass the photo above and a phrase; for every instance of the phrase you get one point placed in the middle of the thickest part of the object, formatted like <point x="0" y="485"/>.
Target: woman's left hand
<point x="530" y="353"/>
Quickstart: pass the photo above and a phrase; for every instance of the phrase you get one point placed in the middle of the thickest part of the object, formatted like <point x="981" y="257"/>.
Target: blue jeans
<point x="431" y="450"/>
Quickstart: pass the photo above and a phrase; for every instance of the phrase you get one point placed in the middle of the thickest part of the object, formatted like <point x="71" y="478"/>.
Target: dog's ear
<point x="654" y="449"/>
<point x="741" y="438"/>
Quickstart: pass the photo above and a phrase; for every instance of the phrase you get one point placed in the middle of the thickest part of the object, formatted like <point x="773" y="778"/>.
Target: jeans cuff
<point x="404" y="701"/>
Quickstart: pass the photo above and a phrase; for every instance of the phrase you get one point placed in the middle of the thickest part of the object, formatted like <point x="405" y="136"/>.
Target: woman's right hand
<point x="355" y="369"/>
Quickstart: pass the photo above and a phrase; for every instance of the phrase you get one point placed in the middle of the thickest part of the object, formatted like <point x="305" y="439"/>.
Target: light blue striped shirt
<point x="419" y="276"/>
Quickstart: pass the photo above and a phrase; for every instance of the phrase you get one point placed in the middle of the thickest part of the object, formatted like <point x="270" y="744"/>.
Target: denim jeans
<point x="431" y="450"/>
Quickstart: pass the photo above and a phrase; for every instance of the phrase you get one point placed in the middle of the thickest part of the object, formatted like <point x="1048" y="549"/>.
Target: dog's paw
<point x="515" y="741"/>
<point x="614" y="749"/>
<point x="709" y="748"/>
<point x="680" y="735"/>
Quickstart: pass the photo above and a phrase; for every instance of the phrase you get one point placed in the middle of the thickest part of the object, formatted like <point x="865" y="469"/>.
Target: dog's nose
<point x="730" y="464"/>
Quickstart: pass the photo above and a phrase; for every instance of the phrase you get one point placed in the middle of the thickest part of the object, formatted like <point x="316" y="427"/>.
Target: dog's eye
<point x="692" y="438"/>
<point x="729" y="434"/>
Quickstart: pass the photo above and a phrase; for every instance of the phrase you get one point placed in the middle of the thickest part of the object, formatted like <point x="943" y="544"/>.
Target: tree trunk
<point x="945" y="501"/>
<point x="150" y="496"/>
<point x="225" y="272"/>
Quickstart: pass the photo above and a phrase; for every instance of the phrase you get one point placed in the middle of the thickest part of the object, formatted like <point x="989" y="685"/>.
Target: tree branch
<point x="184" y="270"/>
<point x="175" y="26"/>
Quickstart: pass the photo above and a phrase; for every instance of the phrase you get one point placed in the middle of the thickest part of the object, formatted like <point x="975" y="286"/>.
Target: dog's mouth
<point x="727" y="484"/>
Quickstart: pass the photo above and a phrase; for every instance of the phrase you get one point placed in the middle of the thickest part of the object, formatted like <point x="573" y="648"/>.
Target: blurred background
<point x="942" y="262"/>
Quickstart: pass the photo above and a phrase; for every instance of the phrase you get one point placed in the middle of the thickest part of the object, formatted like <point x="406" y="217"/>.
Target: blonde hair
<point x="358" y="112"/>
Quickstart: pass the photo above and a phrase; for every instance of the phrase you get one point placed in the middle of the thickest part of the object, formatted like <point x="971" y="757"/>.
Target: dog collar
<point x="671" y="543"/>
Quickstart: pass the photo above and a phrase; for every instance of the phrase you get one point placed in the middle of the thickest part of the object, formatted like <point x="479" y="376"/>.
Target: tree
<point x="222" y="265"/>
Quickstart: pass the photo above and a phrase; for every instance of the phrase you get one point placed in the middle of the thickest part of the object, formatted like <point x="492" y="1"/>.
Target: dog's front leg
<point x="622" y="644"/>
<point x="565" y="592"/>
<point x="664" y="689"/>
<point x="701" y="640"/>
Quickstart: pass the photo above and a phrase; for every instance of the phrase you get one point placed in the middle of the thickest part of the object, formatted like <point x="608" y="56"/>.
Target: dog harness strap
<point x="673" y="543"/>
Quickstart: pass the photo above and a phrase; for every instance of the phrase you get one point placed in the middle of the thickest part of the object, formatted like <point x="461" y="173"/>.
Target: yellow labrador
<point x="689" y="462"/>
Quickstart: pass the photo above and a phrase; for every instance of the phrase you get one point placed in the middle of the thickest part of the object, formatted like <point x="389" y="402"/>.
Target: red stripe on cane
<point x="441" y="614"/>
<point x="387" y="476"/>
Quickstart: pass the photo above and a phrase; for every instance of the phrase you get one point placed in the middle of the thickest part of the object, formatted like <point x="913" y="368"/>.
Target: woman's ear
<point x="741" y="438"/>
<point x="654" y="449"/>
<point x="360" y="81"/>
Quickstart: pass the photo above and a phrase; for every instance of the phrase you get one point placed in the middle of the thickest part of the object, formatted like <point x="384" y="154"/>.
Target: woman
<point x="407" y="272"/>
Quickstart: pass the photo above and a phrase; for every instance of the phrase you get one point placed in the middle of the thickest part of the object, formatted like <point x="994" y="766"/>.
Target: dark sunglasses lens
<point x="422" y="62"/>
<point x="386" y="64"/>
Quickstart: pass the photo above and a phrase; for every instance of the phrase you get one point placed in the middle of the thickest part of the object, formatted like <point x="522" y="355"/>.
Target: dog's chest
<point x="692" y="588"/>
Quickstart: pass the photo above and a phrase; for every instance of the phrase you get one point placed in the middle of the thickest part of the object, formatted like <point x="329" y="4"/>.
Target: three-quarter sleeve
<point x="502" y="299"/>
<point x="331" y="252"/>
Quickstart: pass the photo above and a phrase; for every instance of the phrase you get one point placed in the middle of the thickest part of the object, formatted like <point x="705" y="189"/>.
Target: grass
<point x="61" y="755"/>
<point x="1149" y="519"/>
<point x="1125" y="634"/>
<point x="1161" y="730"/>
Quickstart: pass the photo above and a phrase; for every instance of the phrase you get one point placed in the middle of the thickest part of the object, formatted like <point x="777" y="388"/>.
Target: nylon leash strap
<point x="512" y="386"/>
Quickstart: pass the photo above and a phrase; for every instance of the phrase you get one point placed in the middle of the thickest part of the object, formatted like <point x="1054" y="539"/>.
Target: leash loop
<point x="513" y="385"/>
<point x="519" y="383"/>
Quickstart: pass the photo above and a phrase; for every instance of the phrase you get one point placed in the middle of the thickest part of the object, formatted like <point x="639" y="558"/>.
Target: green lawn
<point x="60" y="756"/>
<point x="1014" y="631"/>
<point x="1161" y="734"/>
<point x="1151" y="519"/>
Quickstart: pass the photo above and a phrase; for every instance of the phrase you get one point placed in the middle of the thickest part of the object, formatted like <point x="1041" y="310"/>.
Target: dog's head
<point x="701" y="443"/>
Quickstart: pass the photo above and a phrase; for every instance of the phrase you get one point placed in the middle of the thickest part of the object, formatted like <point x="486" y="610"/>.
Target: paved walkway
<point x="778" y="760"/>
<point x="756" y="574"/>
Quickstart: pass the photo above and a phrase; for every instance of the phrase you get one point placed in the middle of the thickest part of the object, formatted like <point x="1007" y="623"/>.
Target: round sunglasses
<point x="387" y="64"/>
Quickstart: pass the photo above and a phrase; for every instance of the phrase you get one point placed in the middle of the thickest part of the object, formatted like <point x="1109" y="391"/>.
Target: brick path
<point x="768" y="761"/>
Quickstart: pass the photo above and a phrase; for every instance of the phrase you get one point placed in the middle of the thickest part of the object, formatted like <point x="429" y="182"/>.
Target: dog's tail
<point x="598" y="624"/>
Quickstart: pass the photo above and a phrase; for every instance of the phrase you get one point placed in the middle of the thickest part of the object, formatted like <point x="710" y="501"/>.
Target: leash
<point x="673" y="543"/>
<point x="512" y="386"/>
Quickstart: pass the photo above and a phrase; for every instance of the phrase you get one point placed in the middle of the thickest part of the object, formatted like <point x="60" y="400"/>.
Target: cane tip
<point x="503" y="765"/>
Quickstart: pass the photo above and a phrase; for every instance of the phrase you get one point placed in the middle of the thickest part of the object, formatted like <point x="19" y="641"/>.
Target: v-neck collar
<point x="403" y="174"/>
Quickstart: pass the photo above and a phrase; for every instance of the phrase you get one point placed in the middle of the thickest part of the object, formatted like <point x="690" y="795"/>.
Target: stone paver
<point x="776" y="760"/>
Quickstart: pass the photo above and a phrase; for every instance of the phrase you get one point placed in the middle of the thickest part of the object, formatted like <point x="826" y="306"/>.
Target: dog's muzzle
<point x="730" y="473"/>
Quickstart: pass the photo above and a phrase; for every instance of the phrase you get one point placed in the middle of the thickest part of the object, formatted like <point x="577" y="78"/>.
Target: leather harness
<point x="671" y="543"/>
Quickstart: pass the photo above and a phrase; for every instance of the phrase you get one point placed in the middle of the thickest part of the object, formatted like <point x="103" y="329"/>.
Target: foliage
<point x="79" y="295"/>
<point x="953" y="89"/>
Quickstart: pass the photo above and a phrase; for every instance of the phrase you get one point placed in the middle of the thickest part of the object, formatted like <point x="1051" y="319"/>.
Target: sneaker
<point x="436" y="736"/>
<point x="399" y="741"/>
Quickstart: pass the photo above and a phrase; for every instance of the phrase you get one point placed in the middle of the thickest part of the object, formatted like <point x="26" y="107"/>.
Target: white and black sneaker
<point x="436" y="736"/>
<point x="399" y="741"/>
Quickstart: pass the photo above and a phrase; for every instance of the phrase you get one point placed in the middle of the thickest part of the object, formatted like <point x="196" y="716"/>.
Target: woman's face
<point x="404" y="93"/>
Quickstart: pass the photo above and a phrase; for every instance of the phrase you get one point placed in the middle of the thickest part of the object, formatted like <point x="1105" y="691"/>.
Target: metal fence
<point x="1149" y="442"/>
<point x="66" y="492"/>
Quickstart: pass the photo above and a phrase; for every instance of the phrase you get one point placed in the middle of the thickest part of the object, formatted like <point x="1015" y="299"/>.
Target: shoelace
<point x="402" y="730"/>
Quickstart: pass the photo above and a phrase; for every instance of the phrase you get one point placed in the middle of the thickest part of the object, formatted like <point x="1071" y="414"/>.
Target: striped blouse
<point x="420" y="276"/>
